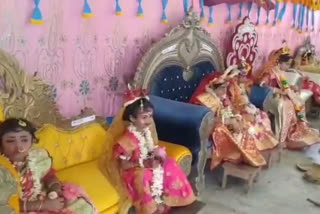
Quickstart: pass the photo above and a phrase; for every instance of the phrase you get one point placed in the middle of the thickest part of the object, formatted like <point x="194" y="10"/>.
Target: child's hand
<point x="54" y="205"/>
<point x="160" y="153"/>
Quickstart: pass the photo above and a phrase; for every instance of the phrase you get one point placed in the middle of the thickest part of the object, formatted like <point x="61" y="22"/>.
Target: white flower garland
<point x="146" y="145"/>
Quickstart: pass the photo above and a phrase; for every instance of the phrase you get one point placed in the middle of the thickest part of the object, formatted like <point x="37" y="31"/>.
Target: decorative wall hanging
<point x="312" y="20"/>
<point x="87" y="12"/>
<point x="307" y="19"/>
<point x="140" y="9"/>
<point x="283" y="11"/>
<point x="301" y="17"/>
<point x="240" y="11"/>
<point x="229" y="15"/>
<point x="268" y="18"/>
<point x="249" y="8"/>
<point x="258" y="16"/>
<point x="164" y="18"/>
<point x="265" y="4"/>
<point x="295" y="10"/>
<point x="118" y="8"/>
<point x="202" y="15"/>
<point x="186" y="6"/>
<point x="37" y="16"/>
<point x="211" y="21"/>
<point x="276" y="12"/>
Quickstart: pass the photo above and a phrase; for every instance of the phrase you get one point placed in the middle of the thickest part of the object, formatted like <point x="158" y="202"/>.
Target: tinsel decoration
<point x="186" y="6"/>
<point x="240" y="11"/>
<point x="118" y="8"/>
<point x="164" y="18"/>
<point x="295" y="10"/>
<point x="229" y="15"/>
<point x="258" y="16"/>
<point x="249" y="8"/>
<point x="37" y="16"/>
<point x="140" y="9"/>
<point x="202" y="15"/>
<point x="276" y="11"/>
<point x="87" y="12"/>
<point x="282" y="11"/>
<point x="211" y="21"/>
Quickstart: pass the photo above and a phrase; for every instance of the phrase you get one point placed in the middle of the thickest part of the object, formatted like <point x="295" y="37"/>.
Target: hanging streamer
<point x="295" y="10"/>
<point x="302" y="18"/>
<point x="211" y="21"/>
<point x="276" y="11"/>
<point x="312" y="19"/>
<point x="164" y="18"/>
<point x="87" y="12"/>
<point x="258" y="16"/>
<point x="268" y="18"/>
<point x="282" y="12"/>
<point x="37" y="16"/>
<point x="186" y="6"/>
<point x="202" y="16"/>
<point x="307" y="19"/>
<point x="140" y="9"/>
<point x="118" y="8"/>
<point x="240" y="11"/>
<point x="229" y="15"/>
<point x="249" y="8"/>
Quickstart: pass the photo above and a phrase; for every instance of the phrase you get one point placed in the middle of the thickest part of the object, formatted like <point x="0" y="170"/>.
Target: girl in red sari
<point x="295" y="131"/>
<point x="41" y="191"/>
<point x="153" y="181"/>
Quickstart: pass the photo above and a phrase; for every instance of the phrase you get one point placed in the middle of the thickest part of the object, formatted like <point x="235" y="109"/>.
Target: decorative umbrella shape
<point x="140" y="9"/>
<point x="37" y="16"/>
<point x="164" y="18"/>
<point x="87" y="12"/>
<point x="118" y="8"/>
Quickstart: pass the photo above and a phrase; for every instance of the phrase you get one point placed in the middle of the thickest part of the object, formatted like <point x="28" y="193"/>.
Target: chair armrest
<point x="182" y="123"/>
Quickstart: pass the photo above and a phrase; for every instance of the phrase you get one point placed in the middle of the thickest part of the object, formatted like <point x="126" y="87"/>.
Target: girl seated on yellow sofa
<point x="41" y="192"/>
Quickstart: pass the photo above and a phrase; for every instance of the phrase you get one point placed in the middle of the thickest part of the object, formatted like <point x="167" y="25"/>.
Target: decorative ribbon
<point x="202" y="16"/>
<point x="164" y="18"/>
<point x="211" y="21"/>
<point x="37" y="16"/>
<point x="312" y="19"/>
<point x="87" y="12"/>
<point x="295" y="10"/>
<point x="249" y="8"/>
<point x="229" y="15"/>
<point x="307" y="19"/>
<point x="258" y="16"/>
<point x="268" y="18"/>
<point x="282" y="12"/>
<point x="140" y="9"/>
<point x="276" y="11"/>
<point x="302" y="18"/>
<point x="240" y="11"/>
<point x="118" y="8"/>
<point x="186" y="6"/>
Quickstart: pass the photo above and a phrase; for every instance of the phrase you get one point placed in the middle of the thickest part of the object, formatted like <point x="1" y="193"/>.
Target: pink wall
<point x="89" y="61"/>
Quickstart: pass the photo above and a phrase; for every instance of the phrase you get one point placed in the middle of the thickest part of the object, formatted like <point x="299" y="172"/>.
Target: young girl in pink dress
<point x="41" y="191"/>
<point x="153" y="181"/>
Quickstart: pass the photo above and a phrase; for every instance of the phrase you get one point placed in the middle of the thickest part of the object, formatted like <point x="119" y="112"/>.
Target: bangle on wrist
<point x="40" y="206"/>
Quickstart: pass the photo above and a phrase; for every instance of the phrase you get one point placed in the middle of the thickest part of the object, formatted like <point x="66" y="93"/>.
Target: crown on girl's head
<point x="285" y="50"/>
<point x="133" y="95"/>
<point x="22" y="123"/>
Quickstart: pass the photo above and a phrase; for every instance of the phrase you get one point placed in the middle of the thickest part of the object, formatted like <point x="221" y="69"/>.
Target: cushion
<point x="175" y="151"/>
<point x="169" y="82"/>
<point x="258" y="95"/>
<point x="90" y="178"/>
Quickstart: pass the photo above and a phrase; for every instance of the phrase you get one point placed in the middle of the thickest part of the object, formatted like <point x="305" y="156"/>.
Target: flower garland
<point x="146" y="145"/>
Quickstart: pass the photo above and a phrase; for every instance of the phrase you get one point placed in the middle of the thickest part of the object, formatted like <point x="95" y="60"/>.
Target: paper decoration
<point x="301" y="18"/>
<point x="37" y="16"/>
<point x="258" y="16"/>
<point x="312" y="19"/>
<point x="240" y="11"/>
<point x="202" y="15"/>
<point x="229" y="15"/>
<point x="295" y="10"/>
<point x="164" y="18"/>
<point x="186" y="6"/>
<point x="282" y="12"/>
<point x="140" y="9"/>
<point x="118" y="8"/>
<point x="87" y="12"/>
<point x="276" y="12"/>
<point x="249" y="8"/>
<point x="211" y="21"/>
<point x="307" y="19"/>
<point x="268" y="18"/>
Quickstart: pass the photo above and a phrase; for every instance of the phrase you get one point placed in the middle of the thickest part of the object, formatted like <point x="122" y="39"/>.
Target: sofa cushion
<point x="90" y="178"/>
<point x="69" y="148"/>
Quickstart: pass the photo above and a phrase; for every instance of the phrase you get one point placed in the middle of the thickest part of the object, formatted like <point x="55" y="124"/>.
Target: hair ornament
<point x="22" y="123"/>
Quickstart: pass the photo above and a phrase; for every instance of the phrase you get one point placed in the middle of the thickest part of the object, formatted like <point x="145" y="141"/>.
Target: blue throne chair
<point x="171" y="71"/>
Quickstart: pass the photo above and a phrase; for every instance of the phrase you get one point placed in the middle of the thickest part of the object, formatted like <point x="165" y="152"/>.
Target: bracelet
<point x="54" y="183"/>
<point x="40" y="206"/>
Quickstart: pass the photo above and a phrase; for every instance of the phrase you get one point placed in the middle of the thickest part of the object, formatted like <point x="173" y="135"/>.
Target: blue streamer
<point x="282" y="12"/>
<point x="276" y="13"/>
<point x="164" y="18"/>
<point x="258" y="16"/>
<point x="118" y="8"/>
<point x="312" y="19"/>
<point x="87" y="12"/>
<point x="268" y="17"/>
<point x="295" y="10"/>
<point x="211" y="21"/>
<point x="240" y="11"/>
<point x="302" y="18"/>
<point x="307" y="19"/>
<point x="186" y="6"/>
<point x="202" y="16"/>
<point x="37" y="15"/>
<point x="140" y="9"/>
<point x="249" y="8"/>
<point x="229" y="15"/>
